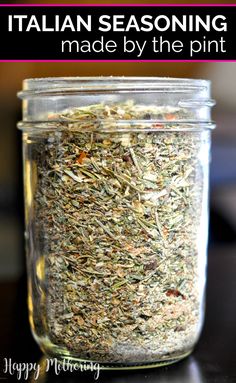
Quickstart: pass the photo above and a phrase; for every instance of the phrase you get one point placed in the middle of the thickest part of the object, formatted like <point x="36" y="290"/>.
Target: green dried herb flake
<point x="119" y="212"/>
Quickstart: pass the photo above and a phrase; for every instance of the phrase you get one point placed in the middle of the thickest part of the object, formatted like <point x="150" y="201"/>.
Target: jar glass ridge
<point x="116" y="206"/>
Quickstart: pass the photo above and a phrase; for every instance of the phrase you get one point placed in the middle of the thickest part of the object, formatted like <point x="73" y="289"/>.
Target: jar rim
<point x="120" y="126"/>
<point x="98" y="84"/>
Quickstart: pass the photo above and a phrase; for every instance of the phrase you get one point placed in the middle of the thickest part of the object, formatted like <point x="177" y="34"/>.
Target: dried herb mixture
<point x="117" y="214"/>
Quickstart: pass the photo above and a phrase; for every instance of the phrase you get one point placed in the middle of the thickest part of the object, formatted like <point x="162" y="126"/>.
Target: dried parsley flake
<point x="118" y="216"/>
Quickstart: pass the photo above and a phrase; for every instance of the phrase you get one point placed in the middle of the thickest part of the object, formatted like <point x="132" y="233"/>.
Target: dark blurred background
<point x="223" y="171"/>
<point x="214" y="359"/>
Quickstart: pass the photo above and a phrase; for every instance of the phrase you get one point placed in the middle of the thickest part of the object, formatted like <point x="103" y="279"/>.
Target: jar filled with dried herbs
<point x="116" y="207"/>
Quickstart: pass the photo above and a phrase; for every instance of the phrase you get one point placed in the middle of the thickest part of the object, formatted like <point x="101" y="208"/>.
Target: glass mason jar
<point x="116" y="207"/>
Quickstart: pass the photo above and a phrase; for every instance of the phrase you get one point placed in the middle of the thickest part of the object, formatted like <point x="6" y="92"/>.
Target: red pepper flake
<point x="170" y="116"/>
<point x="165" y="231"/>
<point x="81" y="157"/>
<point x="159" y="126"/>
<point x="174" y="293"/>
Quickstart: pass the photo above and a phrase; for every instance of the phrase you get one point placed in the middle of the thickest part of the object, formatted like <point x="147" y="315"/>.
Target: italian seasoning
<point x="120" y="207"/>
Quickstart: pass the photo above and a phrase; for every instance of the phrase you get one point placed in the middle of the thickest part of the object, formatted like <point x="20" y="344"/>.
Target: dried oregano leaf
<point x="118" y="216"/>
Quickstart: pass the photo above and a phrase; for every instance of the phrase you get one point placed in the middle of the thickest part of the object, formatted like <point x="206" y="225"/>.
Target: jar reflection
<point x="187" y="371"/>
